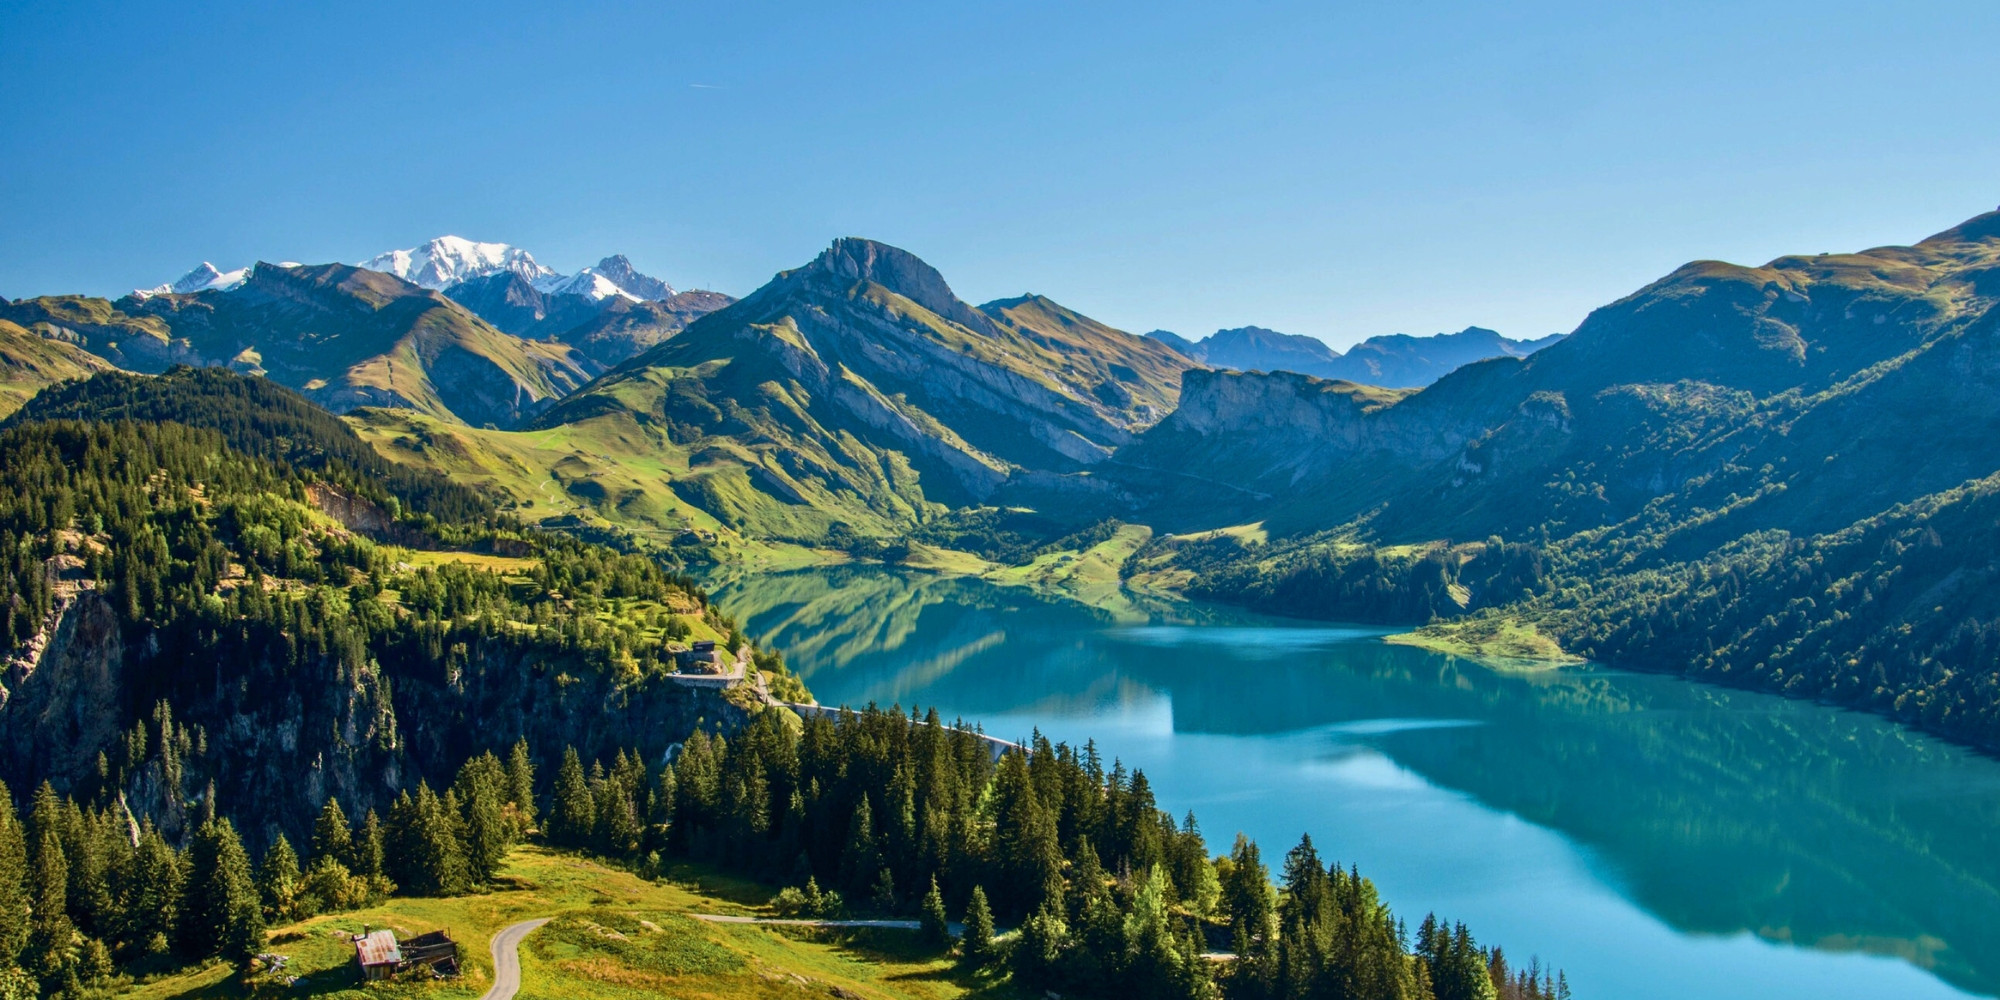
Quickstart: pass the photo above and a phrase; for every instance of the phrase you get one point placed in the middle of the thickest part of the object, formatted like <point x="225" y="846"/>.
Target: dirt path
<point x="507" y="959"/>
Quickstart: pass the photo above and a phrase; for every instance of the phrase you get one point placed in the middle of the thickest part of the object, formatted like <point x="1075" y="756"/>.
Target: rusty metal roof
<point x="377" y="948"/>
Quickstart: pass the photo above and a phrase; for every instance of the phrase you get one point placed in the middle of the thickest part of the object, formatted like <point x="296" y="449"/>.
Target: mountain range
<point x="1777" y="475"/>
<point x="1396" y="361"/>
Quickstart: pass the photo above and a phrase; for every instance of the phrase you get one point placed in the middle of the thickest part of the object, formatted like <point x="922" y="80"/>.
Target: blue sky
<point x="1340" y="170"/>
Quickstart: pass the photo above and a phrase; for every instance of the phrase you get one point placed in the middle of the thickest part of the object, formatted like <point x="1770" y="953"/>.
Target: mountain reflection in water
<point x="1679" y="839"/>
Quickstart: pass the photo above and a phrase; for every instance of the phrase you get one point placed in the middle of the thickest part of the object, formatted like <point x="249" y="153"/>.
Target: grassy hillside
<point x="350" y="337"/>
<point x="614" y="936"/>
<point x="858" y="391"/>
<point x="30" y="363"/>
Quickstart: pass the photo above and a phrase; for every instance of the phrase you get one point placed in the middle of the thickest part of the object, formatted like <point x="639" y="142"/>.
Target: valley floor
<point x="613" y="936"/>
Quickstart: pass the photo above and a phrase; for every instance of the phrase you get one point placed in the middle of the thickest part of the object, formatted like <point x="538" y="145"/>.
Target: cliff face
<point x="286" y="736"/>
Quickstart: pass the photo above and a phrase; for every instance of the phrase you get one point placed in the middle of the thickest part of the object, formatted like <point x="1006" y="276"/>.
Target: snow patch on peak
<point x="205" y="277"/>
<point x="588" y="283"/>
<point x="448" y="260"/>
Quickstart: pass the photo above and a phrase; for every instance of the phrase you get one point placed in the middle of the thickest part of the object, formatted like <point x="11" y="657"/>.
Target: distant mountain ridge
<point x="1397" y="361"/>
<point x="448" y="261"/>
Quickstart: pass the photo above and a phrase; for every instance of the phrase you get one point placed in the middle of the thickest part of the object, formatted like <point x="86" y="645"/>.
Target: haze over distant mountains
<point x="1398" y="361"/>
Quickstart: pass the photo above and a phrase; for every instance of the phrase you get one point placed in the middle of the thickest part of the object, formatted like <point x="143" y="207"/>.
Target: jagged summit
<point x="620" y="272"/>
<point x="448" y="260"/>
<point x="204" y="277"/>
<point x="853" y="258"/>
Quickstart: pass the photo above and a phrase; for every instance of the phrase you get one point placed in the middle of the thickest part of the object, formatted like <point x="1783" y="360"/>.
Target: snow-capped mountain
<point x="641" y="286"/>
<point x="589" y="283"/>
<point x="201" y="279"/>
<point x="448" y="260"/>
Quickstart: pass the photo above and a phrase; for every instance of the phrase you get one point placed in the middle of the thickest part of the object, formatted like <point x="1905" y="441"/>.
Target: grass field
<point x="614" y="936"/>
<point x="1496" y="642"/>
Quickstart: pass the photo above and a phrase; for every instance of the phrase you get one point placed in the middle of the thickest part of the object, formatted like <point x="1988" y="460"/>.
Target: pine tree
<point x="487" y="837"/>
<point x="50" y="948"/>
<point x="369" y="858"/>
<point x="521" y="786"/>
<point x="426" y="853"/>
<point x="860" y="858"/>
<point x="573" y="817"/>
<point x="225" y="917"/>
<point x="14" y="897"/>
<point x="936" y="927"/>
<point x="976" y="945"/>
<point x="333" y="836"/>
<point x="280" y="882"/>
<point x="151" y="900"/>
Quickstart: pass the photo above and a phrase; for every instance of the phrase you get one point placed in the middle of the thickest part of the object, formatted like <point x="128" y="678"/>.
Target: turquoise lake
<point x="1653" y="838"/>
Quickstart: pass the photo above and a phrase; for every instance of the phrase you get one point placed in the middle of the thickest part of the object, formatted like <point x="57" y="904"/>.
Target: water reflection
<point x="1717" y="812"/>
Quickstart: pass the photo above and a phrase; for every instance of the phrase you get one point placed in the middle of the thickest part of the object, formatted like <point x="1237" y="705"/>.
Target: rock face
<point x="861" y="380"/>
<point x="267" y="731"/>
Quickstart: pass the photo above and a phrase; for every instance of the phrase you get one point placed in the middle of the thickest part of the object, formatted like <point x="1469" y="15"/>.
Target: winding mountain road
<point x="507" y="959"/>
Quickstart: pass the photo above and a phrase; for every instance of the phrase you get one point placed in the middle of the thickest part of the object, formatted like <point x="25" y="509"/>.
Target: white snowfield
<point x="450" y="260"/>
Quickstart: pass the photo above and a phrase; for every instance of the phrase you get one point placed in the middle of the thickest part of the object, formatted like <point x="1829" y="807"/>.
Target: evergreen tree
<point x="151" y="898"/>
<point x="427" y="853"/>
<point x="480" y="790"/>
<point x="976" y="944"/>
<point x="521" y="786"/>
<point x="224" y="916"/>
<point x="573" y="816"/>
<point x="50" y="953"/>
<point x="369" y="859"/>
<point x="14" y="893"/>
<point x="935" y="926"/>
<point x="280" y="883"/>
<point x="333" y="836"/>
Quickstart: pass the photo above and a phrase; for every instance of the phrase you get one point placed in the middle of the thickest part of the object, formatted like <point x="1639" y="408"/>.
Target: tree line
<point x="88" y="892"/>
<point x="901" y="814"/>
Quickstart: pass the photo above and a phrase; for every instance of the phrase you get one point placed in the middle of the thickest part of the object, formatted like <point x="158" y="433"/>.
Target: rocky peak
<point x="620" y="271"/>
<point x="855" y="259"/>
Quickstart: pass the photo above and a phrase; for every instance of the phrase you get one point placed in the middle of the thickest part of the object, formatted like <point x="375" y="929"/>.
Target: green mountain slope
<point x="350" y="337"/>
<point x="30" y="362"/>
<point x="859" y="391"/>
<point x="1776" y="476"/>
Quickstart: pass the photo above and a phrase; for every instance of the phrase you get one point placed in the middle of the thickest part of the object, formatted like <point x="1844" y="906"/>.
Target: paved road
<point x="507" y="959"/>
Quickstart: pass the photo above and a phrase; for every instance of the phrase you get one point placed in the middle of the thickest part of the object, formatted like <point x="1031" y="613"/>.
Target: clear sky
<point x="1340" y="170"/>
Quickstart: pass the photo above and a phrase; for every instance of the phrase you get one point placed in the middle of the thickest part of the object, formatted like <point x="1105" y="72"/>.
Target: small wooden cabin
<point x="380" y="956"/>
<point x="377" y="954"/>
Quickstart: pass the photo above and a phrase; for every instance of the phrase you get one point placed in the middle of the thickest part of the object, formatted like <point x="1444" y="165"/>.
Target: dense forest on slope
<point x="900" y="814"/>
<point x="315" y="641"/>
